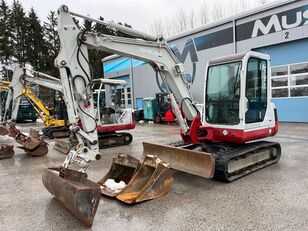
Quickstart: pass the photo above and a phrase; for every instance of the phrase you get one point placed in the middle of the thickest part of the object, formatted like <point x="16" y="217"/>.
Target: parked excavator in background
<point x="54" y="125"/>
<point x="109" y="122"/>
<point x="116" y="116"/>
<point x="35" y="146"/>
<point x="221" y="141"/>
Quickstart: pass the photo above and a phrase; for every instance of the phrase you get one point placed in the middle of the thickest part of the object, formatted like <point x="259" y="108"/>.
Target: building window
<point x="290" y="80"/>
<point x="119" y="97"/>
<point x="279" y="71"/>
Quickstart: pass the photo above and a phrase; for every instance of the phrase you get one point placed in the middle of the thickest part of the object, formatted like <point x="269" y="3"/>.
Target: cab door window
<point x="256" y="90"/>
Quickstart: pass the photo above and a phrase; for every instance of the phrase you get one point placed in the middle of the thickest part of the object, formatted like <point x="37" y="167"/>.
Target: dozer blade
<point x="152" y="180"/>
<point x="3" y="130"/>
<point x="122" y="169"/>
<point x="6" y="151"/>
<point x="74" y="191"/>
<point x="190" y="161"/>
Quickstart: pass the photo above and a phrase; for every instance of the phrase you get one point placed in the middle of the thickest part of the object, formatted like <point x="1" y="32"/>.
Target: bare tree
<point x="192" y="19"/>
<point x="180" y="21"/>
<point x="263" y="2"/>
<point x="204" y="14"/>
<point x="188" y="19"/>
<point x="244" y="4"/>
<point x="157" y="28"/>
<point x="218" y="12"/>
<point x="169" y="28"/>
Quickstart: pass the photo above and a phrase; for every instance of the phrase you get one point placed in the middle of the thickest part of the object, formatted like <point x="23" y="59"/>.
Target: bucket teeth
<point x="74" y="191"/>
<point x="6" y="151"/>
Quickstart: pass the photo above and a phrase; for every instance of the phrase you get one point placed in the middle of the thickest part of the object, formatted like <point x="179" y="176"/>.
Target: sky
<point x="138" y="13"/>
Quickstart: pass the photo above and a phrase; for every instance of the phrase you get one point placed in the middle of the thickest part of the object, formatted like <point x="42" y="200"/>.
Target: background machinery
<point x="33" y="145"/>
<point x="55" y="121"/>
<point x="159" y="109"/>
<point x="116" y="116"/>
<point x="220" y="141"/>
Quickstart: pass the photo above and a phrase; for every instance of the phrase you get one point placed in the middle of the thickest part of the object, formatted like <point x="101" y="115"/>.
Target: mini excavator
<point x="221" y="140"/>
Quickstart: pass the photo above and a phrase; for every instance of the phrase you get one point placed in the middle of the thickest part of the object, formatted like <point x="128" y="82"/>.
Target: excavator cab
<point x="238" y="98"/>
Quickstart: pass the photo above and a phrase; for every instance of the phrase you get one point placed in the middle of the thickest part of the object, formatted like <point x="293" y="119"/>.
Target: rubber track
<point x="117" y="137"/>
<point x="224" y="152"/>
<point x="227" y="152"/>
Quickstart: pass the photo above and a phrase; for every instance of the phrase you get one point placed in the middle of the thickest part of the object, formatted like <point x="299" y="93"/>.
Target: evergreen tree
<point x="18" y="24"/>
<point x="52" y="42"/>
<point x="36" y="49"/>
<point x="5" y="35"/>
<point x="5" y="32"/>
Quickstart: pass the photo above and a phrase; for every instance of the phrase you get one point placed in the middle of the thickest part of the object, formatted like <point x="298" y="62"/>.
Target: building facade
<point x="279" y="30"/>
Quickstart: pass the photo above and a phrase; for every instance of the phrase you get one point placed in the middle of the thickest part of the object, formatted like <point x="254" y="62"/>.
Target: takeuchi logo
<point x="279" y="23"/>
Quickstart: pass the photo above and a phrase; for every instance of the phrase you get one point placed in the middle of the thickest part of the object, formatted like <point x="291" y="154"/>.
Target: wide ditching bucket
<point x="6" y="151"/>
<point x="186" y="160"/>
<point x="151" y="180"/>
<point x="74" y="191"/>
<point x="122" y="169"/>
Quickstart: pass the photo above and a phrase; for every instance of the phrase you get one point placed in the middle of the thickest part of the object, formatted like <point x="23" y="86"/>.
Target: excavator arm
<point x="148" y="181"/>
<point x="76" y="78"/>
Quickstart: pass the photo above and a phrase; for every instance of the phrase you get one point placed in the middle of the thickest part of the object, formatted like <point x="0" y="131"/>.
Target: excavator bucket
<point x="152" y="180"/>
<point x="62" y="146"/>
<point x="6" y="151"/>
<point x="3" y="130"/>
<point x="33" y="146"/>
<point x="74" y="191"/>
<point x="186" y="160"/>
<point x="122" y="169"/>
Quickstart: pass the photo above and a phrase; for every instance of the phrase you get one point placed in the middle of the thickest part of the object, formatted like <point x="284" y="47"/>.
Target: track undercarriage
<point x="233" y="161"/>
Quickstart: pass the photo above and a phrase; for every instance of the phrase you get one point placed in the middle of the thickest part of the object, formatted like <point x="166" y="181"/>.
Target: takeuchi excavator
<point x="35" y="146"/>
<point x="108" y="127"/>
<point x="54" y="126"/>
<point x="219" y="141"/>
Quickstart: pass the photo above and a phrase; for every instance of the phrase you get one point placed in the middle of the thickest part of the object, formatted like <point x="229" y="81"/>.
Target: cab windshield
<point x="223" y="94"/>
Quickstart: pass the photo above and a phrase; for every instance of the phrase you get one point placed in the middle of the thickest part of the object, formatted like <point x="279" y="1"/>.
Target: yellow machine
<point x="40" y="108"/>
<point x="35" y="146"/>
<point x="54" y="126"/>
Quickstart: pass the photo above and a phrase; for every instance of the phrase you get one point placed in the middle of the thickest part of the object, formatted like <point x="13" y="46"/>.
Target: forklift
<point x="159" y="109"/>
